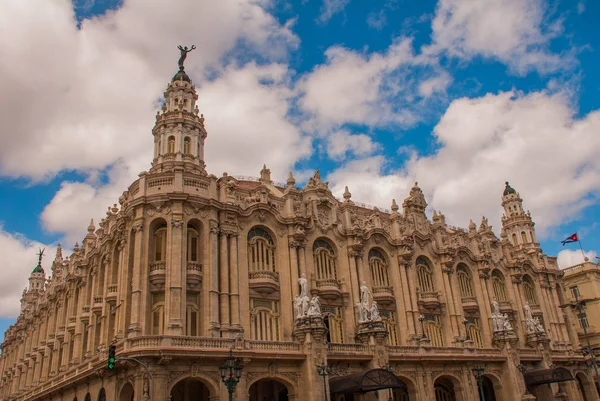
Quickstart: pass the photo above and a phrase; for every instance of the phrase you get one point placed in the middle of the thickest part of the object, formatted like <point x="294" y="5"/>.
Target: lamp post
<point x="421" y="320"/>
<point x="231" y="371"/>
<point x="323" y="370"/>
<point x="465" y="322"/>
<point x="579" y="305"/>
<point x="522" y="368"/>
<point x="478" y="373"/>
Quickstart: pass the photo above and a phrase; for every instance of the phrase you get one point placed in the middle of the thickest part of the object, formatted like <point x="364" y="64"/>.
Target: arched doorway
<point x="401" y="393"/>
<point x="127" y="393"/>
<point x="444" y="390"/>
<point x="488" y="389"/>
<point x="585" y="386"/>
<point x="268" y="390"/>
<point x="190" y="389"/>
<point x="102" y="395"/>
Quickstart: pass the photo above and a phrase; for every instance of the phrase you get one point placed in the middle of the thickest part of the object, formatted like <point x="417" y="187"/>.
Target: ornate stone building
<point x="189" y="267"/>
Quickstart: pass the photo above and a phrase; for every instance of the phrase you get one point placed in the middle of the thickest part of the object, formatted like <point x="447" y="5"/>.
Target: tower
<point x="179" y="132"/>
<point x="516" y="223"/>
<point x="37" y="278"/>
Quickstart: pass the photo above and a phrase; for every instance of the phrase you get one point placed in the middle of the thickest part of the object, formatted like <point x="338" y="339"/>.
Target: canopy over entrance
<point x="545" y="376"/>
<point x="370" y="380"/>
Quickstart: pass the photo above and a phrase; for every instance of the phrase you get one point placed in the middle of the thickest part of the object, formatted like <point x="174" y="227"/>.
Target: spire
<point x="91" y="228"/>
<point x="394" y="206"/>
<point x="291" y="181"/>
<point x="179" y="131"/>
<point x="265" y="175"/>
<point x="347" y="194"/>
<point x="58" y="257"/>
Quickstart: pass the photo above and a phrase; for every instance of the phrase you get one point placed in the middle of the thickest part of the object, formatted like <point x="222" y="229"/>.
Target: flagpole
<point x="583" y="253"/>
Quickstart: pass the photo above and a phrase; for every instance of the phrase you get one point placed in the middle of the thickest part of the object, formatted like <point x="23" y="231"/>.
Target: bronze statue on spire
<point x="40" y="255"/>
<point x="184" y="51"/>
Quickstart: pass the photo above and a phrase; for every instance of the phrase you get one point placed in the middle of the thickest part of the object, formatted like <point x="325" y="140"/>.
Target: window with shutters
<point x="192" y="312"/>
<point x="193" y="244"/>
<point x="379" y="269"/>
<point x="464" y="281"/>
<point x="474" y="332"/>
<point x="335" y="324"/>
<point x="425" y="275"/>
<point x="171" y="144"/>
<point x="160" y="243"/>
<point x="433" y="331"/>
<point x="157" y="314"/>
<point x="391" y="325"/>
<point x="499" y="287"/>
<point x="529" y="290"/>
<point x="325" y="260"/>
<point x="261" y="251"/>
<point x="187" y="146"/>
<point x="264" y="320"/>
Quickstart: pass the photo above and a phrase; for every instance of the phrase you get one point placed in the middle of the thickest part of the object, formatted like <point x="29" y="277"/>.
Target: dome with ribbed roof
<point x="508" y="189"/>
<point x="38" y="269"/>
<point x="181" y="75"/>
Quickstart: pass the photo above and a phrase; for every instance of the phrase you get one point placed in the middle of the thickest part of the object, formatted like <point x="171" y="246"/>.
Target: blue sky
<point x="458" y="95"/>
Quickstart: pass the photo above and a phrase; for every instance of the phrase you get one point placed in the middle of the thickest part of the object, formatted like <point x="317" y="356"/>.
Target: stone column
<point x="214" y="279"/>
<point x="234" y="285"/>
<point x="302" y="261"/>
<point x="404" y="265"/>
<point x="176" y="272"/>
<point x="520" y="318"/>
<point x="45" y="364"/>
<point x="446" y="277"/>
<point x="353" y="269"/>
<point x="294" y="266"/>
<point x="224" y="283"/>
<point x="485" y="310"/>
<point x="36" y="370"/>
<point x="135" y="328"/>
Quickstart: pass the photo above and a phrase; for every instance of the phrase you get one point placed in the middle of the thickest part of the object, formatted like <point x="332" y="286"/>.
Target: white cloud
<point x="580" y="7"/>
<point x="84" y="98"/>
<point x="331" y="7"/>
<point x="569" y="257"/>
<point x="534" y="141"/>
<point x="341" y="144"/>
<point x="21" y="258"/>
<point x="244" y="132"/>
<point x="375" y="89"/>
<point x="511" y="31"/>
<point x="377" y="20"/>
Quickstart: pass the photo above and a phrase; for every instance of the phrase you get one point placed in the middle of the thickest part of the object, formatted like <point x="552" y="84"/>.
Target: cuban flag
<point x="568" y="240"/>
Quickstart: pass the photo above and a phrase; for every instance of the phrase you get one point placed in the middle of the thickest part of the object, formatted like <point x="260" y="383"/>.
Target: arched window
<point x="514" y="238"/>
<point x="464" y="281"/>
<point x="261" y="250"/>
<point x="264" y="320"/>
<point x="524" y="237"/>
<point x="88" y="397"/>
<point x="160" y="243"/>
<point x="324" y="258"/>
<point x="187" y="145"/>
<point x="379" y="269"/>
<point x="433" y="333"/>
<point x="158" y="314"/>
<point x="474" y="333"/>
<point x="102" y="395"/>
<point x="529" y="289"/>
<point x="192" y="314"/>
<point x="499" y="287"/>
<point x="171" y="145"/>
<point x="335" y="325"/>
<point x="425" y="275"/>
<point x="391" y="325"/>
<point x="193" y="244"/>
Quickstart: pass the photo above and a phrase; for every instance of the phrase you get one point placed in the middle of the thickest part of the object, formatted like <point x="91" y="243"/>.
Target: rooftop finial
<point x="184" y="51"/>
<point x="40" y="255"/>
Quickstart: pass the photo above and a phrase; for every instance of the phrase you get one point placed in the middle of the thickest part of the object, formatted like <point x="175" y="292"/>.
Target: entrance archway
<point x="488" y="389"/>
<point x="268" y="390"/>
<point x="127" y="393"/>
<point x="585" y="386"/>
<point x="444" y="389"/>
<point x="190" y="389"/>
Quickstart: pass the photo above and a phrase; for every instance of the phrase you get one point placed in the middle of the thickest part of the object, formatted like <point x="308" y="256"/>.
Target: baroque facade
<point x="189" y="267"/>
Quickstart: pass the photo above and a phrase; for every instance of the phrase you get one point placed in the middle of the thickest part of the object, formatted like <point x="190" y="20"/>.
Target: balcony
<point x="264" y="281"/>
<point x="72" y="323"/>
<point x="85" y="314"/>
<point x="505" y="306"/>
<point x="157" y="275"/>
<point x="429" y="299"/>
<point x="194" y="274"/>
<point x="98" y="304"/>
<point x="469" y="304"/>
<point x="329" y="288"/>
<point x="111" y="293"/>
<point x="384" y="294"/>
<point x="60" y="334"/>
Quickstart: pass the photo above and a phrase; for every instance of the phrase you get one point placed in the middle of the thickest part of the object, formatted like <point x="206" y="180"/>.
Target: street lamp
<point x="579" y="305"/>
<point x="522" y="368"/>
<point x="231" y="371"/>
<point x="465" y="322"/>
<point x="422" y="319"/>
<point x="478" y="373"/>
<point x="324" y="370"/>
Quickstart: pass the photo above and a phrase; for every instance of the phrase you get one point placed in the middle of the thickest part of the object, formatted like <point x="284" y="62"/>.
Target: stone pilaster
<point x="224" y="282"/>
<point x="135" y="327"/>
<point x="176" y="279"/>
<point x="213" y="317"/>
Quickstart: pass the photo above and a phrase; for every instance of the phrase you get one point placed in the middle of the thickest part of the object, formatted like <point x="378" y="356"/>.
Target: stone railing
<point x="72" y="319"/>
<point x="160" y="182"/>
<point x="347" y="348"/>
<point x="85" y="309"/>
<point x="159" y="265"/>
<point x="327" y="282"/>
<point x="428" y="295"/>
<point x="382" y="289"/>
<point x="288" y="346"/>
<point x="194" y="266"/>
<point x="111" y="288"/>
<point x="262" y="274"/>
<point x="467" y="300"/>
<point x="98" y="300"/>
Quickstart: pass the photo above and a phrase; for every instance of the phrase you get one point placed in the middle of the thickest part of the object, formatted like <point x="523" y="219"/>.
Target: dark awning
<point x="370" y="380"/>
<point x="545" y="376"/>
